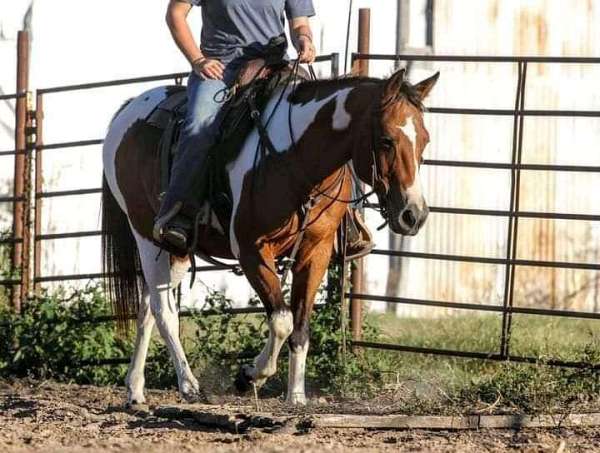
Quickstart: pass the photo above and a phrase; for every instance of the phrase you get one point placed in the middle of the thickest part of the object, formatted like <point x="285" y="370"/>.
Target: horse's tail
<point x="120" y="259"/>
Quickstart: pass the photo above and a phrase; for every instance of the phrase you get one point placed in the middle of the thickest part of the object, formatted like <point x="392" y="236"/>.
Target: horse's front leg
<point x="312" y="263"/>
<point x="259" y="267"/>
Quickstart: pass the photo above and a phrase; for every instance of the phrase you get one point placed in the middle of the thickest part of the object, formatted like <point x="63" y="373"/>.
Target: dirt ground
<point x="50" y="417"/>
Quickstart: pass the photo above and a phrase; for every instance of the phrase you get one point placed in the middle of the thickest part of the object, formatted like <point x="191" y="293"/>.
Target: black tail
<point x="121" y="262"/>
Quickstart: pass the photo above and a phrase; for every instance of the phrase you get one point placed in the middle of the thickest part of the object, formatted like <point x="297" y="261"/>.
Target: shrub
<point x="54" y="338"/>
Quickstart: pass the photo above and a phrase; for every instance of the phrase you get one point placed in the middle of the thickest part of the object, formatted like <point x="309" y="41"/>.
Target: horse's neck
<point x="322" y="151"/>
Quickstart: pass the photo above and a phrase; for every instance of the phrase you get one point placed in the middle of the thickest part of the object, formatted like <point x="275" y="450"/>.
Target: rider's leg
<point x="199" y="133"/>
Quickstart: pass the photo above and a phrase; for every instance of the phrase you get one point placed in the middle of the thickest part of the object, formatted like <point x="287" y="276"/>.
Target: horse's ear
<point x="395" y="81"/>
<point x="424" y="87"/>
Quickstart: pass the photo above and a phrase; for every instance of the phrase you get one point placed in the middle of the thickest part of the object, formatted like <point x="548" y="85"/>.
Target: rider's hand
<point x="207" y="68"/>
<point x="306" y="49"/>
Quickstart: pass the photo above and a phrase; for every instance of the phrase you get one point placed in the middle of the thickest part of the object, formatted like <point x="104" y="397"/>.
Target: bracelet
<point x="307" y="36"/>
<point x="198" y="61"/>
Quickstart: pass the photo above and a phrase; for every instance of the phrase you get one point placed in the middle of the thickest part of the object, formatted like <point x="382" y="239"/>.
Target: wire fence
<point x="513" y="214"/>
<point x="34" y="152"/>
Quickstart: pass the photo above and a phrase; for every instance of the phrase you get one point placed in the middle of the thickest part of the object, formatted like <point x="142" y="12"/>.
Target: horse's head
<point x="399" y="139"/>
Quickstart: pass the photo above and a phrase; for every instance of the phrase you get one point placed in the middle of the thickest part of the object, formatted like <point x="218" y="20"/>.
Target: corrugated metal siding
<point x="533" y="27"/>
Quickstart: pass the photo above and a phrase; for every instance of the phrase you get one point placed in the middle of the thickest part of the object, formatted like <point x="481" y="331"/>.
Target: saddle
<point x="239" y="115"/>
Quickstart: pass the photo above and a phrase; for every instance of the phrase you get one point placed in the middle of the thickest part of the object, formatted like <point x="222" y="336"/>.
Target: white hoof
<point x="135" y="396"/>
<point x="190" y="391"/>
<point x="296" y="399"/>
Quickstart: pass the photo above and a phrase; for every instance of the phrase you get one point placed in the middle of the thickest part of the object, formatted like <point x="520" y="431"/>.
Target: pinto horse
<point x="317" y="127"/>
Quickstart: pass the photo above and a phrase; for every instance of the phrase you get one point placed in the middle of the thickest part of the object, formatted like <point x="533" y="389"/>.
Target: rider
<point x="233" y="32"/>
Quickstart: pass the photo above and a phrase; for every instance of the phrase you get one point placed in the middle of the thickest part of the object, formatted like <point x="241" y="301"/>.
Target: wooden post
<point x="364" y="46"/>
<point x="20" y="171"/>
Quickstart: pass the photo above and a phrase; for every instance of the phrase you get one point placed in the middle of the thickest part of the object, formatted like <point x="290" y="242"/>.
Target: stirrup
<point x="161" y="222"/>
<point x="360" y="240"/>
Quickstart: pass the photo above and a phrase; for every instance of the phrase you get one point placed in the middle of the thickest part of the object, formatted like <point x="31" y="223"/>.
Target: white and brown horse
<point x="319" y="127"/>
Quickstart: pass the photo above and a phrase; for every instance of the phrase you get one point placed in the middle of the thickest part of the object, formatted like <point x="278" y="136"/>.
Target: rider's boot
<point x="174" y="230"/>
<point x="359" y="241"/>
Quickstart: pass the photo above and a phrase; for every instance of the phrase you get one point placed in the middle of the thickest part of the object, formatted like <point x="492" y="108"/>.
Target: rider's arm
<point x="176" y="18"/>
<point x="302" y="38"/>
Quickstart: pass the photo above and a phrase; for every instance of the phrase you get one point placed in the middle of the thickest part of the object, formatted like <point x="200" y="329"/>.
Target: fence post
<point x="20" y="207"/>
<point x="335" y="64"/>
<point x="39" y="143"/>
<point x="364" y="35"/>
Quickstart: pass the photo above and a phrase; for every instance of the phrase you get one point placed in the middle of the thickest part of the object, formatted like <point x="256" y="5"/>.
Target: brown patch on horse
<point x="136" y="162"/>
<point x="318" y="90"/>
<point x="179" y="260"/>
<point x="319" y="156"/>
<point x="137" y="165"/>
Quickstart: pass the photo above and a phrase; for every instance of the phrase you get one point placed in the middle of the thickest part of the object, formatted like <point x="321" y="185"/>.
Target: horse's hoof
<point x="195" y="397"/>
<point x="135" y="408"/>
<point x="296" y="400"/>
<point x="243" y="382"/>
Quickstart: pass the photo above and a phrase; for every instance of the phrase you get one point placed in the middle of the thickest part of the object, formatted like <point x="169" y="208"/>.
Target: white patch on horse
<point x="279" y="132"/>
<point x="341" y="118"/>
<point x="297" y="370"/>
<point x="410" y="132"/>
<point x="138" y="109"/>
<point x="414" y="193"/>
<point x="281" y="325"/>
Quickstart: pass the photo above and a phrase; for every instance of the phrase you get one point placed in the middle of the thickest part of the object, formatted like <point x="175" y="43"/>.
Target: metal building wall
<point x="500" y="27"/>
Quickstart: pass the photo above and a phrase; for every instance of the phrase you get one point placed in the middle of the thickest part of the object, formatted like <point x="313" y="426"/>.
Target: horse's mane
<point x="321" y="89"/>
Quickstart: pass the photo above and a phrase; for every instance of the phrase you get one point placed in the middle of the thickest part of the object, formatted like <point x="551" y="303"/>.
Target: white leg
<point x="135" y="376"/>
<point x="297" y="368"/>
<point x="145" y="323"/>
<point x="164" y="308"/>
<point x="281" y="325"/>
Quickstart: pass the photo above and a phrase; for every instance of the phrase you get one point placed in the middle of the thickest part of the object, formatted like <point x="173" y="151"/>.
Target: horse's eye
<point x="387" y="143"/>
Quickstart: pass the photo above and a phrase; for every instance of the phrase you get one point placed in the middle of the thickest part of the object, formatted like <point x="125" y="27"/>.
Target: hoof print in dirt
<point x="243" y="382"/>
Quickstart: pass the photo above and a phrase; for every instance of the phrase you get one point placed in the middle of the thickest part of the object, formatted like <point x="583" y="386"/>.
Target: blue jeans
<point x="199" y="133"/>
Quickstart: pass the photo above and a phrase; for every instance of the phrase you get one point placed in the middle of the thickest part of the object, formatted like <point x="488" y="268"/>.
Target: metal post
<point x="20" y="162"/>
<point x="402" y="27"/>
<point x="511" y="299"/>
<point x="335" y="64"/>
<point x="364" y="46"/>
<point x="361" y="67"/>
<point x="39" y="143"/>
<point x="511" y="243"/>
<point x="29" y="196"/>
<point x="429" y="22"/>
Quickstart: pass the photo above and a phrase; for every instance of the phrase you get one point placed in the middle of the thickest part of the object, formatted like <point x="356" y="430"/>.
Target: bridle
<point x="381" y="143"/>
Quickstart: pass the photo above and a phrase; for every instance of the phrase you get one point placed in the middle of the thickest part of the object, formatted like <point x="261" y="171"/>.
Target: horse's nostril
<point x="409" y="218"/>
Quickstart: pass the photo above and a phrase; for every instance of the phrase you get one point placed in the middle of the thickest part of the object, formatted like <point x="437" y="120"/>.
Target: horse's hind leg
<point x="260" y="270"/>
<point x="161" y="279"/>
<point x="135" y="376"/>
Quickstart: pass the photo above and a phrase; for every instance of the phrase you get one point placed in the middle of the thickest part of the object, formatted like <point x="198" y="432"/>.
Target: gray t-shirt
<point x="236" y="30"/>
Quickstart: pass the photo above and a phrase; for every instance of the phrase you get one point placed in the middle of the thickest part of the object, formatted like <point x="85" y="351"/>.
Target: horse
<point x="317" y="128"/>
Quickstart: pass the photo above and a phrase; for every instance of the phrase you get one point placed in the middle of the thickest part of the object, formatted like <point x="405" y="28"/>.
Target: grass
<point x="420" y="383"/>
<point x="537" y="336"/>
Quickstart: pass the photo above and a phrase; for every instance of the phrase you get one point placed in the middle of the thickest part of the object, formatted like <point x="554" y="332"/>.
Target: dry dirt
<point x="54" y="417"/>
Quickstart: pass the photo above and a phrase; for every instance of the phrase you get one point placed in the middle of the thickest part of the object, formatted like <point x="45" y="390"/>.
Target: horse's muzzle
<point x="409" y="220"/>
